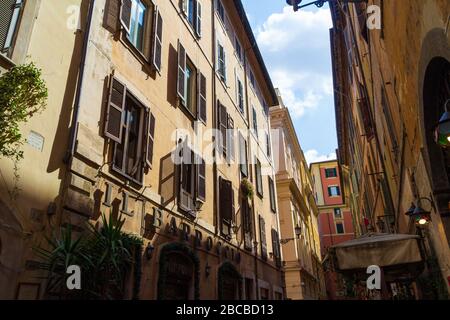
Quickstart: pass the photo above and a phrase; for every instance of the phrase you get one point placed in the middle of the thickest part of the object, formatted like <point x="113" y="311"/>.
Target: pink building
<point x="335" y="219"/>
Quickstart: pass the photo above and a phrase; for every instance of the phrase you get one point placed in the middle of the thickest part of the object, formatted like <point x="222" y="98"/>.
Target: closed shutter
<point x="111" y="15"/>
<point x="150" y="138"/>
<point x="125" y="14"/>
<point x="259" y="187"/>
<point x="223" y="124"/>
<point x="226" y="200"/>
<point x="116" y="106"/>
<point x="202" y="97"/>
<point x="181" y="87"/>
<point x="262" y="234"/>
<point x="230" y="137"/>
<point x="157" y="44"/>
<point x="276" y="248"/>
<point x="201" y="180"/>
<point x="255" y="121"/>
<point x="268" y="149"/>
<point x="243" y="155"/>
<point x="273" y="206"/>
<point x="198" y="26"/>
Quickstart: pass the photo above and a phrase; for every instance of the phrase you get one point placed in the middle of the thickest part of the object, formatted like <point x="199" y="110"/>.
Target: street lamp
<point x="298" y="232"/>
<point x="442" y="130"/>
<point x="318" y="3"/>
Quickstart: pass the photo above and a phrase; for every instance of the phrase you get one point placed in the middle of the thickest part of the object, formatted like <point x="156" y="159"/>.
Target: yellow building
<point x="297" y="209"/>
<point x="132" y="115"/>
<point x="25" y="27"/>
<point x="391" y="64"/>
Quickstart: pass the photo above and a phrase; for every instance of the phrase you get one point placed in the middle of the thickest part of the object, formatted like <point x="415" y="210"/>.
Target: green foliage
<point x="22" y="94"/>
<point x="247" y="189"/>
<point x="104" y="256"/>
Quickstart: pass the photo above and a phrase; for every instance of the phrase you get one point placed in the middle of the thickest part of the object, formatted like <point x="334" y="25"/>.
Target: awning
<point x="383" y="250"/>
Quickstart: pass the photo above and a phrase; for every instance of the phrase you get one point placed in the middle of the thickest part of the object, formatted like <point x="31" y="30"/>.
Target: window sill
<point x="6" y="62"/>
<point x="126" y="177"/>
<point x="145" y="61"/>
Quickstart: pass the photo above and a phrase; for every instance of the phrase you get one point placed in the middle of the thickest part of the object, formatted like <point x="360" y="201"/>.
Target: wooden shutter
<point x="230" y="137"/>
<point x="201" y="97"/>
<point x="183" y="4"/>
<point x="262" y="234"/>
<point x="268" y="147"/>
<point x="181" y="87"/>
<point x="201" y="180"/>
<point x="125" y="14"/>
<point x="157" y="43"/>
<point x="276" y="248"/>
<point x="150" y="138"/>
<point x="223" y="124"/>
<point x="226" y="200"/>
<point x="111" y="15"/>
<point x="115" y="111"/>
<point x="198" y="26"/>
<point x="243" y="155"/>
<point x="259" y="187"/>
<point x="255" y="121"/>
<point x="273" y="206"/>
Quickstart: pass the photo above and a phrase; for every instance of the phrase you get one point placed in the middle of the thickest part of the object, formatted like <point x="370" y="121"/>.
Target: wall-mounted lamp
<point x="207" y="270"/>
<point x="149" y="251"/>
<point x="298" y="232"/>
<point x="442" y="130"/>
<point x="318" y="3"/>
<point x="418" y="214"/>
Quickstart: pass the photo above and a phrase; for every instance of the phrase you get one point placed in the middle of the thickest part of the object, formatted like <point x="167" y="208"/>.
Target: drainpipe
<point x="74" y="127"/>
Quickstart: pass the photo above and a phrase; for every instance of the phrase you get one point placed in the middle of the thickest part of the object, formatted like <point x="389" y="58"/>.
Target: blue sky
<point x="296" y="50"/>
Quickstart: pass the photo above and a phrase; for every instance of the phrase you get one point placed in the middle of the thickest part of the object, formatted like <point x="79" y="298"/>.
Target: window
<point x="135" y="21"/>
<point x="10" y="13"/>
<point x="191" y="86"/>
<point x="222" y="126"/>
<point x="220" y="10"/>
<point x="276" y="248"/>
<point x="262" y="235"/>
<point x="273" y="206"/>
<point x="339" y="228"/>
<point x="193" y="12"/>
<point x="131" y="127"/>
<point x="230" y="137"/>
<point x="337" y="213"/>
<point x="248" y="289"/>
<point x="255" y="122"/>
<point x="264" y="294"/>
<point x="221" y="63"/>
<point x="191" y="81"/>
<point x="268" y="147"/>
<point x="226" y="194"/>
<point x="143" y="26"/>
<point x="192" y="181"/>
<point x="259" y="185"/>
<point x="334" y="191"/>
<point x="240" y="96"/>
<point x="247" y="224"/>
<point x="238" y="48"/>
<point x="252" y="79"/>
<point x="243" y="155"/>
<point x="330" y="173"/>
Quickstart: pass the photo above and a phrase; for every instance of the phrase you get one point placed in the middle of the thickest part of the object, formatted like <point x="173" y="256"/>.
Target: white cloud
<point x="312" y="156"/>
<point x="302" y="29"/>
<point x="302" y="90"/>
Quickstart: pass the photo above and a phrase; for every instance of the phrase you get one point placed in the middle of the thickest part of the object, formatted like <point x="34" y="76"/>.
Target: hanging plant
<point x="247" y="189"/>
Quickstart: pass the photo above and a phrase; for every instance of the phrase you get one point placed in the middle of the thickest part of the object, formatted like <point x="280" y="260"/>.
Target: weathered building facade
<point x="165" y="122"/>
<point x="297" y="209"/>
<point x="335" y="218"/>
<point x="391" y="76"/>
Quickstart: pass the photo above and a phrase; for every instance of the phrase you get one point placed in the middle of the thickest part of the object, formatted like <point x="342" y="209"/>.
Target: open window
<point x="131" y="127"/>
<point x="9" y="22"/>
<point x="191" y="86"/>
<point x="226" y="194"/>
<point x="142" y="26"/>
